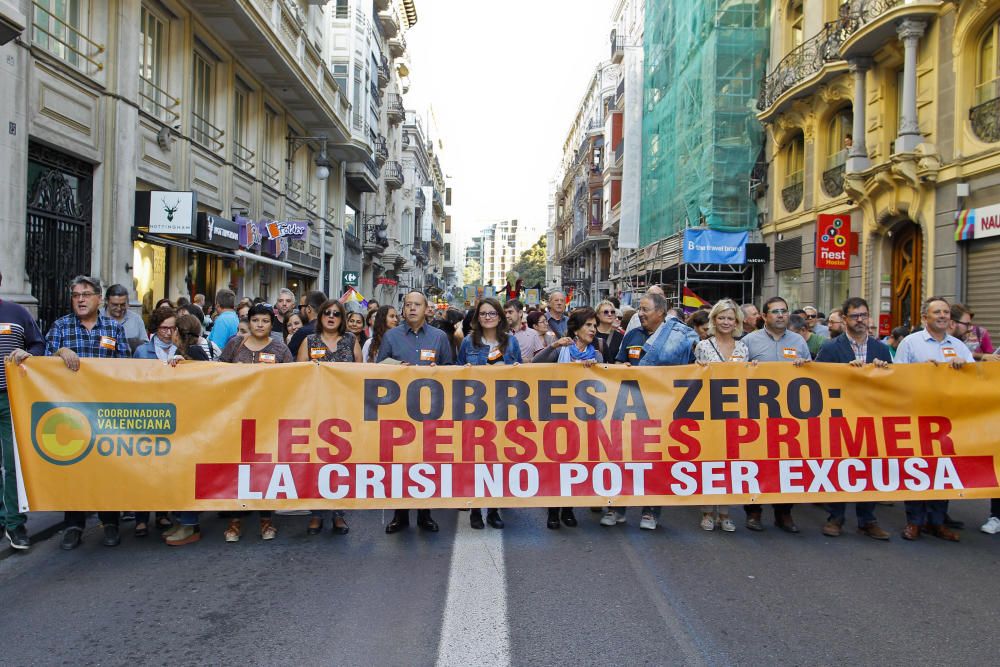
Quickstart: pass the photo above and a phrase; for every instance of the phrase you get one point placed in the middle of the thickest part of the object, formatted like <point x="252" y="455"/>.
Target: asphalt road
<point x="526" y="596"/>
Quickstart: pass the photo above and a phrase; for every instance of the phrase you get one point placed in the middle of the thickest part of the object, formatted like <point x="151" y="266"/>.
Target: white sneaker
<point x="728" y="525"/>
<point x="992" y="526"/>
<point x="648" y="522"/>
<point x="708" y="522"/>
<point x="610" y="518"/>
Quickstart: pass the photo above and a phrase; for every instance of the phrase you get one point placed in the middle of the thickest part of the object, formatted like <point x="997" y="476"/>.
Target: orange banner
<point x="140" y="435"/>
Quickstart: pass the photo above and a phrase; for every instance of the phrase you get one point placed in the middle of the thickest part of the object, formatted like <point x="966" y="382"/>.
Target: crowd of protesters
<point x="323" y="330"/>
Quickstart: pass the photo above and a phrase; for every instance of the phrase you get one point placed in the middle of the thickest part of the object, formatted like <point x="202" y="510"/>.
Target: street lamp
<point x="322" y="162"/>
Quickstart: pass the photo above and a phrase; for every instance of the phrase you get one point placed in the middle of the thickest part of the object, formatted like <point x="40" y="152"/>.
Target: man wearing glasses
<point x="856" y="348"/>
<point x="116" y="307"/>
<point x="812" y="321"/>
<point x="775" y="343"/>
<point x="86" y="333"/>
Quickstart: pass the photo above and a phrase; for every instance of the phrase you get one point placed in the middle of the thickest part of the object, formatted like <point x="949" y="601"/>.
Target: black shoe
<point x="400" y="520"/>
<point x="340" y="526"/>
<point x="953" y="523"/>
<point x="568" y="518"/>
<point x="18" y="538"/>
<point x="425" y="522"/>
<point x="71" y="539"/>
<point x="314" y="527"/>
<point x="111" y="536"/>
<point x="127" y="516"/>
<point x="493" y="518"/>
<point x="476" y="520"/>
<point x="553" y="522"/>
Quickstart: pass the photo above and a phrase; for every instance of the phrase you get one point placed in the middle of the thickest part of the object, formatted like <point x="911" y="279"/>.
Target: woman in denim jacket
<point x="489" y="343"/>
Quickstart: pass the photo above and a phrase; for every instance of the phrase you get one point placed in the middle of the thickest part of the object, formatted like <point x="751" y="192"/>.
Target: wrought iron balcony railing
<point x="206" y="134"/>
<point x="859" y="13"/>
<point x="802" y="62"/>
<point x="375" y="235"/>
<point x="381" y="150"/>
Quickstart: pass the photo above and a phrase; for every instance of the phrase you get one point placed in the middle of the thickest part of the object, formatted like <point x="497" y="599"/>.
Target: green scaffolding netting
<point x="704" y="60"/>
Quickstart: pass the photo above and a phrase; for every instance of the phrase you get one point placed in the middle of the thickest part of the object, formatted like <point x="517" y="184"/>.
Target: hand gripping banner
<point x="140" y="435"/>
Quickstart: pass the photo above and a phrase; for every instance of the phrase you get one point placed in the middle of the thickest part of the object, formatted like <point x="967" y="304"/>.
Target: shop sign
<point x="709" y="246"/>
<point x="388" y="282"/>
<point x="250" y="236"/>
<point x="349" y="278"/>
<point x="292" y="229"/>
<point x="274" y="247"/>
<point x="218" y="231"/>
<point x="833" y="242"/>
<point x="758" y="253"/>
<point x="978" y="223"/>
<point x="161" y="212"/>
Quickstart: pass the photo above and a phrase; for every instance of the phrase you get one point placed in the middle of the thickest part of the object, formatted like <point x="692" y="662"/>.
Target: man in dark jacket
<point x="857" y="348"/>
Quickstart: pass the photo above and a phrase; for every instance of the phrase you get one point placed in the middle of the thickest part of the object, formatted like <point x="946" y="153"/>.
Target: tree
<point x="472" y="274"/>
<point x="531" y="265"/>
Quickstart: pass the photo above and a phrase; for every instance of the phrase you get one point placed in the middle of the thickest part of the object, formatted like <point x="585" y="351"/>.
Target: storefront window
<point x="790" y="287"/>
<point x="149" y="274"/>
<point x="833" y="287"/>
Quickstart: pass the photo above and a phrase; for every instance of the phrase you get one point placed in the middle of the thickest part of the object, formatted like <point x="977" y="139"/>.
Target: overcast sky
<point x="505" y="80"/>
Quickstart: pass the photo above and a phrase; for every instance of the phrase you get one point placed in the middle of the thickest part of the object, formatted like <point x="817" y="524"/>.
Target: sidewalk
<point x="41" y="526"/>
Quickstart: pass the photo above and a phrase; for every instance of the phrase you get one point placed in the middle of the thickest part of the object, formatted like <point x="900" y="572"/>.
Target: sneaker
<point x="992" y="526"/>
<point x="267" y="530"/>
<point x="234" y="531"/>
<point x="611" y="518"/>
<point x="648" y="522"/>
<point x="184" y="535"/>
<point x="18" y="538"/>
<point x="727" y="525"/>
<point x="707" y="522"/>
<point x="71" y="538"/>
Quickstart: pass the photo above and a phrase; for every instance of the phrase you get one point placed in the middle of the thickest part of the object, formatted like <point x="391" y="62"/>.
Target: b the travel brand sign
<point x="66" y="433"/>
<point x="161" y="212"/>
<point x="708" y="246"/>
<point x="833" y="242"/>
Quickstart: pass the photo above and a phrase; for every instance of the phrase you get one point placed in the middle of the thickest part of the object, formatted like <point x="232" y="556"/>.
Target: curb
<point x="44" y="534"/>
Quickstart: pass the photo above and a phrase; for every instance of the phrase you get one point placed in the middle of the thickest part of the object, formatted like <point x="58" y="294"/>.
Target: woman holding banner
<point x="489" y="343"/>
<point x="577" y="347"/>
<point x="724" y="320"/>
<point x="386" y="318"/>
<point x="256" y="348"/>
<point x="332" y="343"/>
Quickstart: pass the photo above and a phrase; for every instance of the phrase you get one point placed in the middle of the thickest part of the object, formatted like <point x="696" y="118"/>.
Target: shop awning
<point x="177" y="243"/>
<point x="261" y="258"/>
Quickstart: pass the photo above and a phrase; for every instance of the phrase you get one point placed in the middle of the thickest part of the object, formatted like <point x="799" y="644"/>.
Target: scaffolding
<point x="704" y="60"/>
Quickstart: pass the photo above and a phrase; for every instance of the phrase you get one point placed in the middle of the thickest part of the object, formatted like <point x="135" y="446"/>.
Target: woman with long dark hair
<point x="489" y="343"/>
<point x="385" y="318"/>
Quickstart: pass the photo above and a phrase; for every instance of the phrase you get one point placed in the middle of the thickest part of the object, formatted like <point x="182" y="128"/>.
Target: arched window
<point x="796" y="24"/>
<point x="986" y="65"/>
<point x="794" y="162"/>
<point x="406" y="233"/>
<point x="838" y="137"/>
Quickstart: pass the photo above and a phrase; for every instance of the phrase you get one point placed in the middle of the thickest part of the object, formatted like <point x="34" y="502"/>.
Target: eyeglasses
<point x="778" y="311"/>
<point x="82" y="295"/>
<point x="331" y="313"/>
<point x="965" y="324"/>
<point x="607" y="312"/>
<point x="858" y="317"/>
<point x="167" y="329"/>
<point x="811" y="317"/>
<point x="488" y="315"/>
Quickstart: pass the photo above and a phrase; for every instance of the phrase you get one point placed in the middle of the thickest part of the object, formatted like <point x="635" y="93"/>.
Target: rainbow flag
<point x="354" y="295"/>
<point x="965" y="227"/>
<point x="692" y="300"/>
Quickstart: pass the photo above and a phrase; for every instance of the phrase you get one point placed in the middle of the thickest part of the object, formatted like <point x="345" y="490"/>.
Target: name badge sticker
<point x="495" y="356"/>
<point x="428" y="355"/>
<point x="317" y="353"/>
<point x="108" y="343"/>
<point x="268" y="358"/>
<point x="949" y="352"/>
<point x="635" y="352"/>
<point x="789" y="353"/>
<point x="5" y="330"/>
<point x="737" y="356"/>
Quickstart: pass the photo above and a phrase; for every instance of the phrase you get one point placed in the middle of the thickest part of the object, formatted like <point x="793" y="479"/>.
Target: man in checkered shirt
<point x="86" y="333"/>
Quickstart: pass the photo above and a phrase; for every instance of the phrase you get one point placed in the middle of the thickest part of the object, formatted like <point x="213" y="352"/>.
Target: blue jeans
<point x="187" y="518"/>
<point x="864" y="511"/>
<point x="930" y="512"/>
<point x="10" y="517"/>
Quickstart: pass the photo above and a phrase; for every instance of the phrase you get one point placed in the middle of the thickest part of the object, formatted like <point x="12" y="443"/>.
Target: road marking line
<point x="475" y="630"/>
<point x="680" y="634"/>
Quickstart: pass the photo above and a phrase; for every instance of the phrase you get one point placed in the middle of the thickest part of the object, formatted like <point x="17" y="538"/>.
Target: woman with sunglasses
<point x="257" y="347"/>
<point x="385" y="318"/>
<point x="608" y="336"/>
<point x="577" y="346"/>
<point x="332" y="342"/>
<point x="488" y="344"/>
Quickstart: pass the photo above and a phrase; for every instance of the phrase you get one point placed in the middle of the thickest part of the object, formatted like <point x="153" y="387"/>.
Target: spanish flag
<point x="692" y="300"/>
<point x="354" y="295"/>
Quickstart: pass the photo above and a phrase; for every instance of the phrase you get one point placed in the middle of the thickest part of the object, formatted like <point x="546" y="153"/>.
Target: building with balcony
<point x="583" y="249"/>
<point x="502" y="244"/>
<point x="374" y="77"/>
<point x="229" y="110"/>
<point x="884" y="112"/>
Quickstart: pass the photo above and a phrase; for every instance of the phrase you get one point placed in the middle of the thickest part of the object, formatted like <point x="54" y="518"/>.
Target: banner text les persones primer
<point x="140" y="435"/>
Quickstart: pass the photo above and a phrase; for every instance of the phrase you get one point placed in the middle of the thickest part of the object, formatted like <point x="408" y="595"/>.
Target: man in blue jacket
<point x="856" y="348"/>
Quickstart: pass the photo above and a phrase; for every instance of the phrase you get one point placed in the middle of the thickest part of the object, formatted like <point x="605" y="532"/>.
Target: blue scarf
<point x="572" y="353"/>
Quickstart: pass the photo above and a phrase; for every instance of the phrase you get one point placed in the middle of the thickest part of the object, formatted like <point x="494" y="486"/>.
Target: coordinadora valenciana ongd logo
<point x="66" y="433"/>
